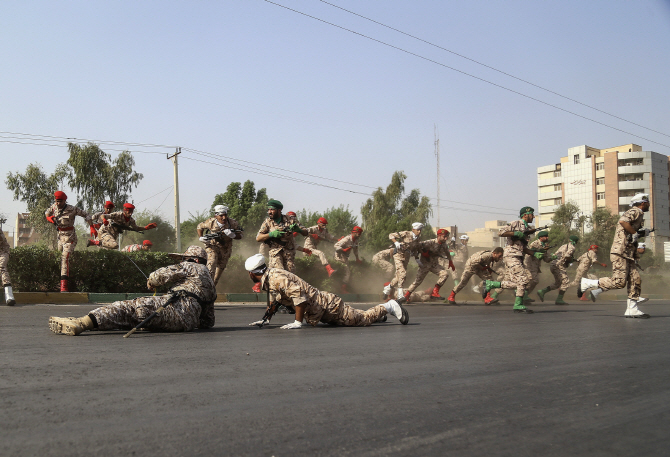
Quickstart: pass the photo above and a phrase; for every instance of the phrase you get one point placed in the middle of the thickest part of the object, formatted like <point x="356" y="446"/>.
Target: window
<point x="632" y="177"/>
<point x="558" y="201"/>
<point x="600" y="181"/>
<point x="576" y="160"/>
<point x="630" y="162"/>
<point x="600" y="195"/>
<point x="557" y="174"/>
<point x="557" y="187"/>
<point x="600" y="166"/>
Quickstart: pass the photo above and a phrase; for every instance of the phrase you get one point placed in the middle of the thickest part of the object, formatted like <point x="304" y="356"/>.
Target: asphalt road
<point x="458" y="381"/>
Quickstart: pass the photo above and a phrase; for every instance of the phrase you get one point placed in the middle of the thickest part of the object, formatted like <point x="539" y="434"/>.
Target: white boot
<point x="400" y="294"/>
<point x="387" y="290"/>
<point x="642" y="300"/>
<point x="595" y="293"/>
<point x="396" y="309"/>
<point x="9" y="296"/>
<point x="586" y="284"/>
<point x="634" y="311"/>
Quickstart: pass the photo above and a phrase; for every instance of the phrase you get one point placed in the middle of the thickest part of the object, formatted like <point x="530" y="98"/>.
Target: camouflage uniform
<point x="585" y="261"/>
<point x="132" y="248"/>
<point x="380" y="259"/>
<point x="622" y="256"/>
<point x="182" y="315"/>
<point x="480" y="264"/>
<point x="409" y="243"/>
<point x="516" y="275"/>
<point x="67" y="235"/>
<point x="282" y="251"/>
<point x="343" y="256"/>
<point x="109" y="234"/>
<point x="421" y="296"/>
<point x="431" y="251"/>
<point x="461" y="256"/>
<point x="533" y="264"/>
<point x="559" y="266"/>
<point x="289" y="290"/>
<point x="219" y="250"/>
<point x="4" y="258"/>
<point x="312" y="244"/>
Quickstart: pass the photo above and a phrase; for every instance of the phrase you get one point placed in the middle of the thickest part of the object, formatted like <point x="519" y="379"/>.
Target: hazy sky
<point x="253" y="81"/>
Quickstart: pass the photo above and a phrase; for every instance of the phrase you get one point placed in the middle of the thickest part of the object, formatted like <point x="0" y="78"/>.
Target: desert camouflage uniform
<point x="67" y="235"/>
<point x="559" y="266"/>
<point x="108" y="234"/>
<point x="480" y="264"/>
<point x="409" y="243"/>
<point x="343" y="256"/>
<point x="430" y="253"/>
<point x="585" y="260"/>
<point x="421" y="296"/>
<point x="312" y="244"/>
<point x="533" y="265"/>
<point x="282" y="252"/>
<point x="516" y="275"/>
<point x="96" y="220"/>
<point x="380" y="259"/>
<point x="4" y="258"/>
<point x="622" y="256"/>
<point x="289" y="290"/>
<point x="132" y="248"/>
<point x="182" y="315"/>
<point x="218" y="251"/>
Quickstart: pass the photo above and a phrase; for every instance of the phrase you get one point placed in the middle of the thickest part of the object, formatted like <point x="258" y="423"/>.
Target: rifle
<point x="124" y="228"/>
<point x="218" y="236"/>
<point x="633" y="237"/>
<point x="269" y="312"/>
<point x="529" y="232"/>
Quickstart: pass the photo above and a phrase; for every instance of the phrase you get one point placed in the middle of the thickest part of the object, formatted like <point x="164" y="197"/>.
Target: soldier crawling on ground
<point x="145" y="246"/>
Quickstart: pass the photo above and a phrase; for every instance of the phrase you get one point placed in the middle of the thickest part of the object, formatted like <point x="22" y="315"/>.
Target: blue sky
<point x="251" y="80"/>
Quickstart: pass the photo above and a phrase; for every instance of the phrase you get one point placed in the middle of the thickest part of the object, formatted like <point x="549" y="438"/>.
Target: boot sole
<point x="641" y="316"/>
<point x="524" y="311"/>
<point x="11" y="303"/>
<point x="405" y="316"/>
<point x="59" y="327"/>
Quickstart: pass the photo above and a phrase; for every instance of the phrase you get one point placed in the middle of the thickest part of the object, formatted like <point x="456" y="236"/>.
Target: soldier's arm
<point x="263" y="233"/>
<point x="236" y="226"/>
<point x="201" y="228"/>
<point x="340" y="244"/>
<point x="81" y="213"/>
<point x="627" y="227"/>
<point x="166" y="275"/>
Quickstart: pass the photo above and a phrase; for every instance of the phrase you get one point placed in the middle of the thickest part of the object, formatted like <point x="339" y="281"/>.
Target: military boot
<point x="526" y="298"/>
<point x="451" y="299"/>
<point x="490" y="299"/>
<point x="559" y="299"/>
<point x="519" y="306"/>
<point x="330" y="270"/>
<point x="487" y="286"/>
<point x="9" y="295"/>
<point x="70" y="326"/>
<point x="542" y="292"/>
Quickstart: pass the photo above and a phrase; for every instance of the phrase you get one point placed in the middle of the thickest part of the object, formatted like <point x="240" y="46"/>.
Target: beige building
<point x="593" y="178"/>
<point x="23" y="233"/>
<point x="487" y="237"/>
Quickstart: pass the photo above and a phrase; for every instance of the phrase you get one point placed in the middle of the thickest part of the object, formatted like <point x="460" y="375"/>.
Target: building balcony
<point x="548" y="209"/>
<point x="549" y="195"/>
<point x="642" y="185"/>
<point x="634" y="169"/>
<point x="549" y="181"/>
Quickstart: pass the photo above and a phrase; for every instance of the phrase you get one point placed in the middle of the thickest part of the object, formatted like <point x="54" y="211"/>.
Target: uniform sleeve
<point x="340" y="244"/>
<point x="133" y="224"/>
<point x="507" y="228"/>
<point x="49" y="211"/>
<point x="395" y="236"/>
<point x="265" y="228"/>
<point x="203" y="225"/>
<point x="80" y="212"/>
<point x="166" y="275"/>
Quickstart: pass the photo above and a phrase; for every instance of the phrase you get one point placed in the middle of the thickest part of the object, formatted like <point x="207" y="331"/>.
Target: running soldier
<point x="145" y="246"/>
<point x="586" y="260"/>
<point x="480" y="264"/>
<point x="113" y="224"/>
<point x="62" y="216"/>
<point x="298" y="229"/>
<point x="343" y="250"/>
<point x="285" y="288"/>
<point x="561" y="259"/>
<point x="382" y="260"/>
<point x="460" y="257"/>
<point x="430" y="253"/>
<point x="534" y="262"/>
<point x="405" y="244"/>
<point x="516" y="276"/>
<point x="315" y="235"/>
<point x="96" y="219"/>
<point x="4" y="272"/>
<point x="277" y="232"/>
<point x="622" y="256"/>
<point x="220" y="247"/>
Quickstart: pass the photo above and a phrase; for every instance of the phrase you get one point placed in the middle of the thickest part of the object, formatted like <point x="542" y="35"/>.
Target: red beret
<point x="128" y="206"/>
<point x="322" y="220"/>
<point x="109" y="204"/>
<point x="357" y="229"/>
<point x="147" y="243"/>
<point x="291" y="213"/>
<point x="60" y="195"/>
<point x="442" y="231"/>
<point x="592" y="247"/>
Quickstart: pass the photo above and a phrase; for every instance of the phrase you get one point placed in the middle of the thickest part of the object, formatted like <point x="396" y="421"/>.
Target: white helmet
<point x="255" y="263"/>
<point x="639" y="198"/>
<point x="417" y="226"/>
<point x="465" y="237"/>
<point x="220" y="209"/>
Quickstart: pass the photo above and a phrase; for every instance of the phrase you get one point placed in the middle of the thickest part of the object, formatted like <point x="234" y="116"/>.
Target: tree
<point x="603" y="225"/>
<point x="387" y="211"/>
<point x="96" y="177"/>
<point x="340" y="219"/>
<point x="246" y="205"/>
<point x="189" y="234"/>
<point x="162" y="237"/>
<point x="565" y="223"/>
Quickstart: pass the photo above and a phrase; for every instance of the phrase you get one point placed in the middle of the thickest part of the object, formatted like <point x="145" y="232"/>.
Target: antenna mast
<point x="437" y="156"/>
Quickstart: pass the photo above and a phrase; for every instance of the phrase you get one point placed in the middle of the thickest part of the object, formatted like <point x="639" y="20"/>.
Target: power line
<point x="493" y="68"/>
<point x="61" y="146"/>
<point x="149" y="198"/>
<point x="69" y="139"/>
<point x="467" y="74"/>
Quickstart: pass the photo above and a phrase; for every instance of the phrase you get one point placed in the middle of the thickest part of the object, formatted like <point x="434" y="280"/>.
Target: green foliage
<point x="388" y="211"/>
<point x="603" y="225"/>
<point x="246" y="206"/>
<point x="189" y="234"/>
<point x="340" y="219"/>
<point x="163" y="236"/>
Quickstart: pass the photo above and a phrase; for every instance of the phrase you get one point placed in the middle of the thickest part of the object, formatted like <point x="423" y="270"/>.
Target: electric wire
<point x="60" y="146"/>
<point x="69" y="139"/>
<point x="149" y="198"/>
<point x="467" y="74"/>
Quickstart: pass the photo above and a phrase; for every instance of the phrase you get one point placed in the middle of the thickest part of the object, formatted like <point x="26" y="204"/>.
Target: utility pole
<point x="437" y="156"/>
<point x="176" y="197"/>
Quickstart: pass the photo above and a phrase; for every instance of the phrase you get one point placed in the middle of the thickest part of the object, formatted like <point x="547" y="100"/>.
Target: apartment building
<point x="487" y="237"/>
<point x="23" y="233"/>
<point x="594" y="178"/>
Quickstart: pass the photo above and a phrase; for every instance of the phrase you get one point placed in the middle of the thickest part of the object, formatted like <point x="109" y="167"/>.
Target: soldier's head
<point x="527" y="214"/>
<point x="146" y="245"/>
<point x="641" y="201"/>
<point x="221" y="213"/>
<point x="594" y="248"/>
<point x="464" y="240"/>
<point x="194" y="254"/>
<point x="274" y="209"/>
<point x="543" y="236"/>
<point x="574" y="239"/>
<point x="497" y="254"/>
<point x="641" y="247"/>
<point x="128" y="209"/>
<point x="442" y="236"/>
<point x="109" y="206"/>
<point x="416" y="228"/>
<point x="292" y="216"/>
<point x="356" y="232"/>
<point x="256" y="267"/>
<point x="322" y="222"/>
<point x="60" y="198"/>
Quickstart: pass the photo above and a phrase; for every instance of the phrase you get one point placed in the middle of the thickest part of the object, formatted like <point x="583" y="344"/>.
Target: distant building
<point x="9" y="237"/>
<point x="487" y="237"/>
<point x="24" y="233"/>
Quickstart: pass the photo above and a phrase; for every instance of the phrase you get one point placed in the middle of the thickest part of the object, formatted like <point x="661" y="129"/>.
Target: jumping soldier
<point x="622" y="256"/>
<point x="96" y="219"/>
<point x="460" y="257"/>
<point x="430" y="252"/>
<point x="534" y="262"/>
<point x="113" y="224"/>
<point x="145" y="246"/>
<point x="277" y="232"/>
<point x="405" y="244"/>
<point x="188" y="305"/>
<point x="561" y="259"/>
<point x="62" y="216"/>
<point x="316" y="234"/>
<point x="343" y="249"/>
<point x="585" y="261"/>
<point x="480" y="264"/>
<point x="285" y="288"/>
<point x="220" y="248"/>
<point x="4" y="273"/>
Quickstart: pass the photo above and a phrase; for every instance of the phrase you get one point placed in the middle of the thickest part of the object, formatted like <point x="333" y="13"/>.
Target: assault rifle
<point x="124" y="228"/>
<point x="269" y="312"/>
<point x="218" y="236"/>
<point x="529" y="232"/>
<point x="633" y="237"/>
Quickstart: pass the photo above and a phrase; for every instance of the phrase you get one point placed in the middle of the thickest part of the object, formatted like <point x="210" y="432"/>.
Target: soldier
<point x="343" y="249"/>
<point x="622" y="256"/>
<point x="277" y="232"/>
<point x="382" y="260"/>
<point x="561" y="259"/>
<point x="585" y="261"/>
<point x="113" y="224"/>
<point x="62" y="216"/>
<point x="517" y="277"/>
<point x="293" y="219"/>
<point x="534" y="262"/>
<point x="188" y="305"/>
<point x="480" y="264"/>
<point x="430" y="253"/>
<point x="145" y="246"/>
<point x="219" y="249"/>
<point x="313" y="305"/>
<point x="316" y="234"/>
<point x="96" y="219"/>
<point x="405" y="244"/>
<point x="4" y="273"/>
<point x="460" y="257"/>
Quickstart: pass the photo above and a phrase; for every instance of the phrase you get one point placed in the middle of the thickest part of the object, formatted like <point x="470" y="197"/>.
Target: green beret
<point x="526" y="210"/>
<point x="276" y="204"/>
<point x="542" y="233"/>
<point x="574" y="238"/>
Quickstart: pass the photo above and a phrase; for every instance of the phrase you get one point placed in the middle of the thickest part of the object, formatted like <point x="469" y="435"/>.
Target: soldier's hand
<point x="397" y="245"/>
<point x="643" y="232"/>
<point x="259" y="323"/>
<point x="293" y="325"/>
<point x="150" y="226"/>
<point x="51" y="219"/>
<point x="276" y="234"/>
<point x="519" y="234"/>
<point x="554" y="257"/>
<point x="203" y="239"/>
<point x="294" y="228"/>
<point x="105" y="222"/>
<point x="307" y="251"/>
<point x="94" y="232"/>
<point x="603" y="264"/>
<point x="347" y="249"/>
<point x="451" y="265"/>
<point x="150" y="286"/>
<point x="315" y="236"/>
<point x="538" y="255"/>
<point x="229" y="233"/>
